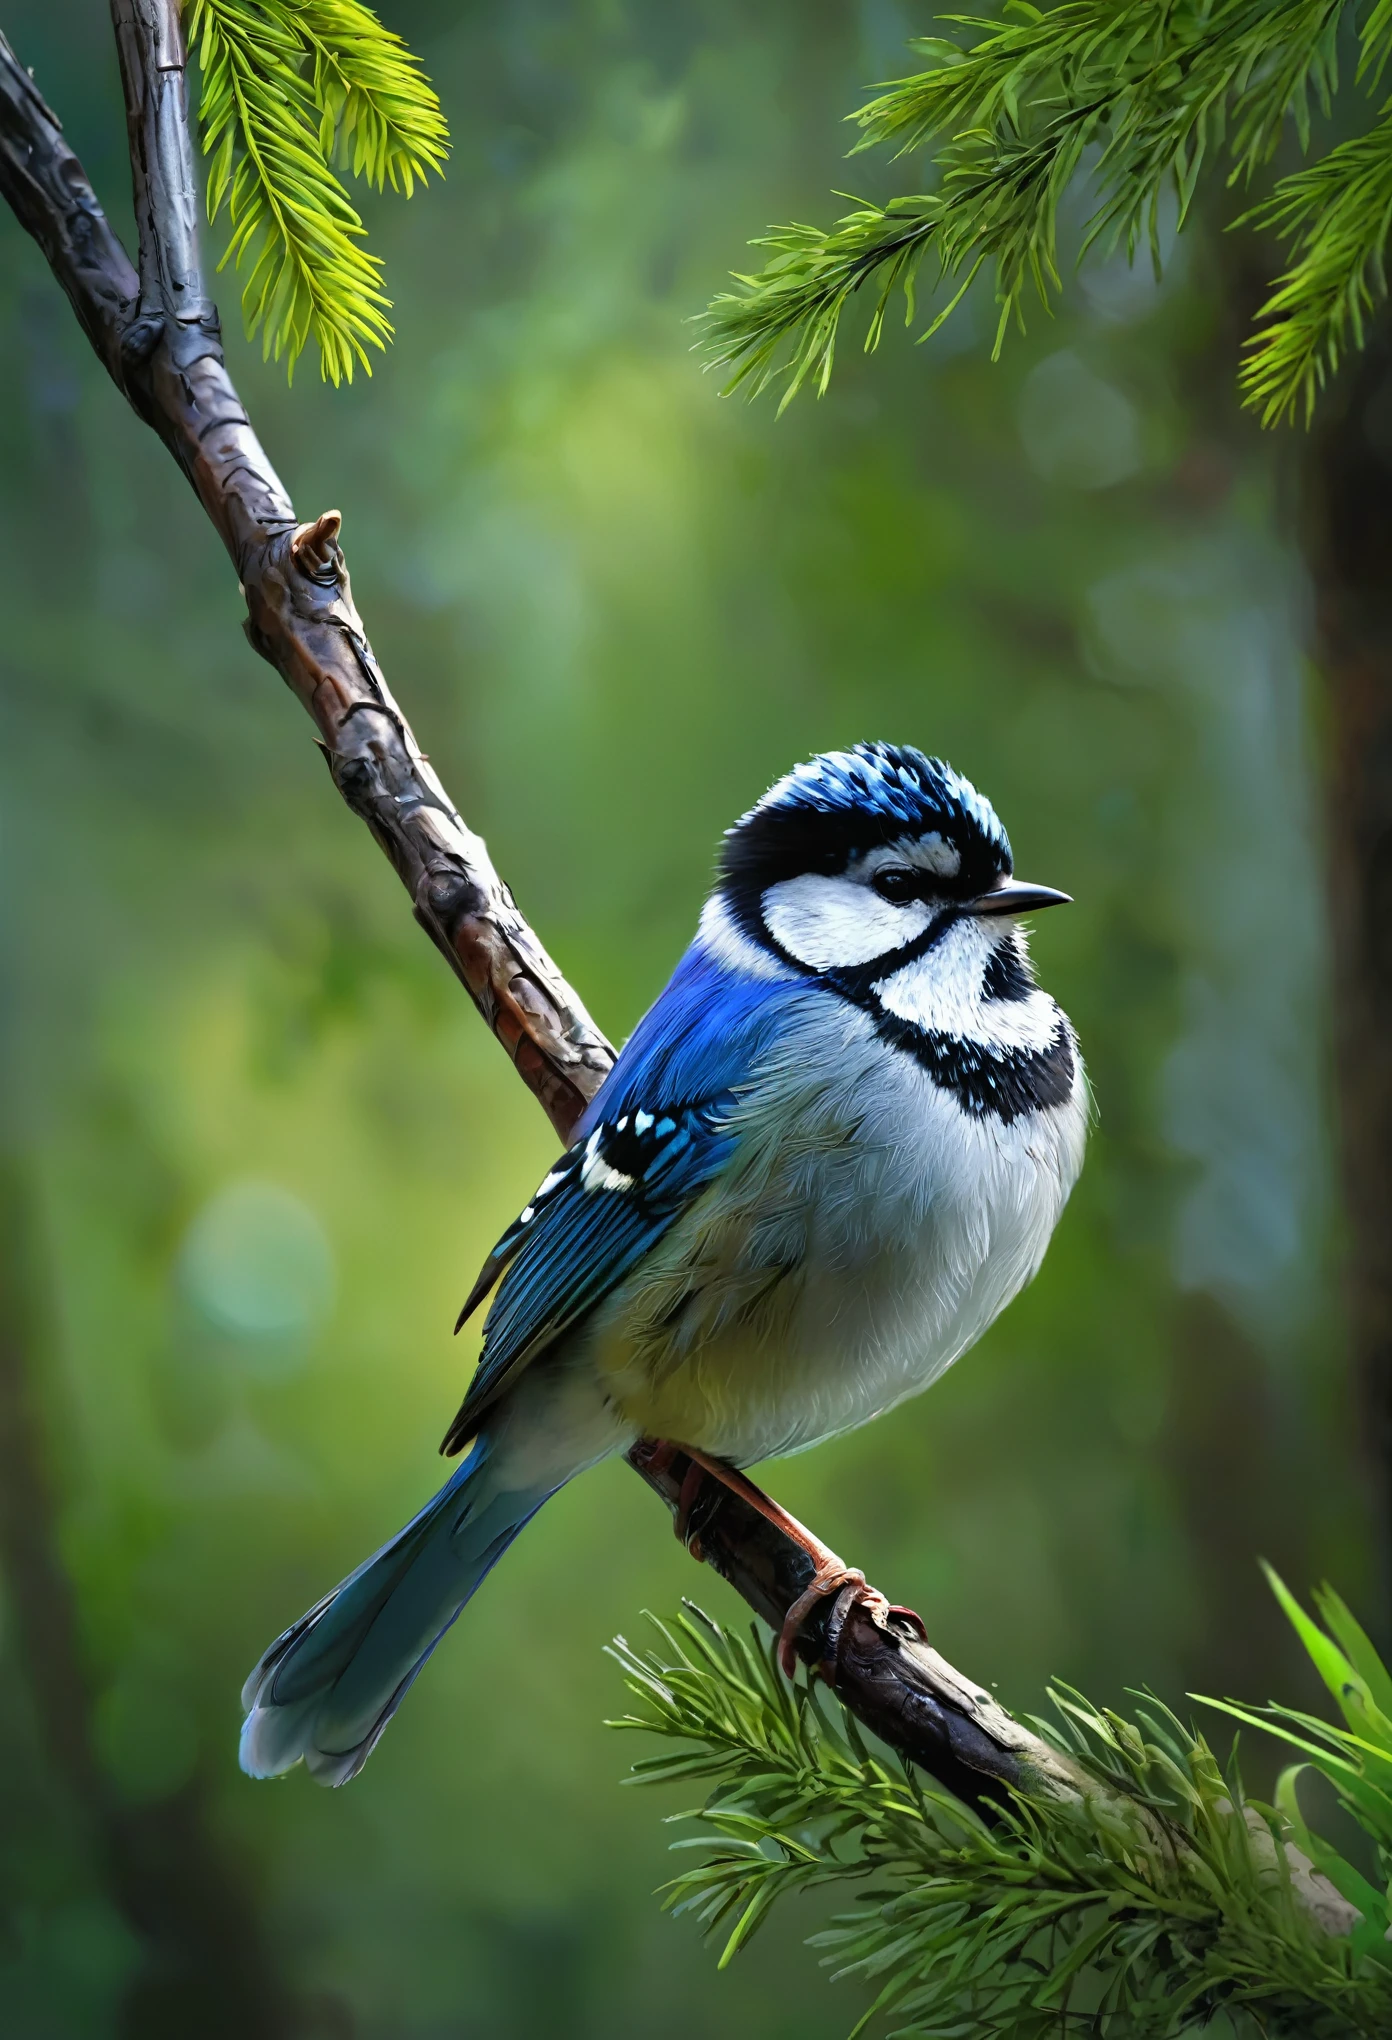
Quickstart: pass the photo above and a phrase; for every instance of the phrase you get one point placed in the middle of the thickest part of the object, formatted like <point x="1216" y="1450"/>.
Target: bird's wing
<point x="654" y="1137"/>
<point x="606" y="1202"/>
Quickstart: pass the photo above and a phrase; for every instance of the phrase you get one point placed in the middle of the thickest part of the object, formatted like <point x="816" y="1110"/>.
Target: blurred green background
<point x="257" y="1142"/>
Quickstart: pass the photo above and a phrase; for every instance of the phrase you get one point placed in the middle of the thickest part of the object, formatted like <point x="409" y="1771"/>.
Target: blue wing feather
<point x="698" y="1039"/>
<point x="653" y="1137"/>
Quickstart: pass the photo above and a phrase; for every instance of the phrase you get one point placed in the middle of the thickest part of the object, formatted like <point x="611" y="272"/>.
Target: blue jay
<point x="830" y="1154"/>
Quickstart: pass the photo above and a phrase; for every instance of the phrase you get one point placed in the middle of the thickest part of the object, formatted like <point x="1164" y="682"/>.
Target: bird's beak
<point x="1011" y="897"/>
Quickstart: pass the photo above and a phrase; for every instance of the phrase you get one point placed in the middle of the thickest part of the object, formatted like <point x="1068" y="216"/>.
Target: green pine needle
<point x="1143" y="98"/>
<point x="288" y="86"/>
<point x="1336" y="216"/>
<point x="374" y="97"/>
<point x="1135" y="1915"/>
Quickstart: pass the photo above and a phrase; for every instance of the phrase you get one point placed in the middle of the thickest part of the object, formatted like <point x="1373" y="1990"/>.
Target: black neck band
<point x="1002" y="1083"/>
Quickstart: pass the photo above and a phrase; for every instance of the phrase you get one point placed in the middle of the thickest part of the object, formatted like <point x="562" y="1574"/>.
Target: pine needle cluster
<point x="1129" y="102"/>
<point x="293" y="93"/>
<point x="1139" y="1912"/>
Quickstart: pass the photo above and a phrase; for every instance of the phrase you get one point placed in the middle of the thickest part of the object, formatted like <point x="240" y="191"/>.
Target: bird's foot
<point x="654" y="1456"/>
<point x="852" y="1590"/>
<point x="830" y="1576"/>
<point x="702" y="1467"/>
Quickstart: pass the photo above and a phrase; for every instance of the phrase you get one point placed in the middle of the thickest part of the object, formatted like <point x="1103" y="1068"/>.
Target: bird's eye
<point x="895" y="884"/>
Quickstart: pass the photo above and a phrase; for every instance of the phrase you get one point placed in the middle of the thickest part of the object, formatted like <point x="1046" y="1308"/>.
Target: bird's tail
<point x="326" y="1689"/>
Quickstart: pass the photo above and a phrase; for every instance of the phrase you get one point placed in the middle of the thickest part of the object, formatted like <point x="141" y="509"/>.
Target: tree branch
<point x="897" y="1685"/>
<point x="913" y="1699"/>
<point x="154" y="80"/>
<point x="159" y="339"/>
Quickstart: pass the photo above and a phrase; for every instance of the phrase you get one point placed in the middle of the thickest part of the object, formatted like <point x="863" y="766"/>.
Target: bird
<point x="830" y="1154"/>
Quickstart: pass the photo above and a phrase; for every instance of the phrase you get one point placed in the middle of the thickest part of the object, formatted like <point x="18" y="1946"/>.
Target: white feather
<point x="595" y="1172"/>
<point x="943" y="992"/>
<point x="835" y="923"/>
<point x="729" y="946"/>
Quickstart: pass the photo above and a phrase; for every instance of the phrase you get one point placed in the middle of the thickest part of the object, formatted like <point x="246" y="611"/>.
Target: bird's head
<point x="860" y="863"/>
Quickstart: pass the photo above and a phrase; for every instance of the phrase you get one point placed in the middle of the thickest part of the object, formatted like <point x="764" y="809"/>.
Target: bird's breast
<point x="868" y="1230"/>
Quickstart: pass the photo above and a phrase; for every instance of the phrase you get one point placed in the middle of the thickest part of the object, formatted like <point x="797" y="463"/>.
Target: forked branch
<point x="157" y="335"/>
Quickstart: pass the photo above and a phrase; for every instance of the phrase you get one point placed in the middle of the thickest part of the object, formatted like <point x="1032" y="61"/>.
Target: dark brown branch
<point x="155" y="83"/>
<point x="160" y="341"/>
<point x="897" y="1685"/>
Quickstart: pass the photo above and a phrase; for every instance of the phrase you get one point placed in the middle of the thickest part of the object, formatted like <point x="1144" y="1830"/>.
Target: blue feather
<point x="622" y="1183"/>
<point x="892" y="783"/>
<point x="699" y="1039"/>
<point x="326" y="1689"/>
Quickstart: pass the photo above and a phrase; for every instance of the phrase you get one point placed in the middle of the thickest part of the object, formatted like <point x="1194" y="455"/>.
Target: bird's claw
<point x="851" y="1589"/>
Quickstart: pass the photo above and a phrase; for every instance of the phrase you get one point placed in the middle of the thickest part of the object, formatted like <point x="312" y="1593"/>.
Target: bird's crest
<point x="826" y="810"/>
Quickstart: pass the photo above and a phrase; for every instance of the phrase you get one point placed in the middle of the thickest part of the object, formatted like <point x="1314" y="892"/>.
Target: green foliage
<point x="1130" y="102"/>
<point x="1356" y="1759"/>
<point x="1336" y="215"/>
<point x="1139" y="1911"/>
<point x="289" y="88"/>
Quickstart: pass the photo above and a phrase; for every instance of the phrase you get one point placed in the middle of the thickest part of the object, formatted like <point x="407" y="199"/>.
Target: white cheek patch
<point x="941" y="993"/>
<point x="833" y="923"/>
